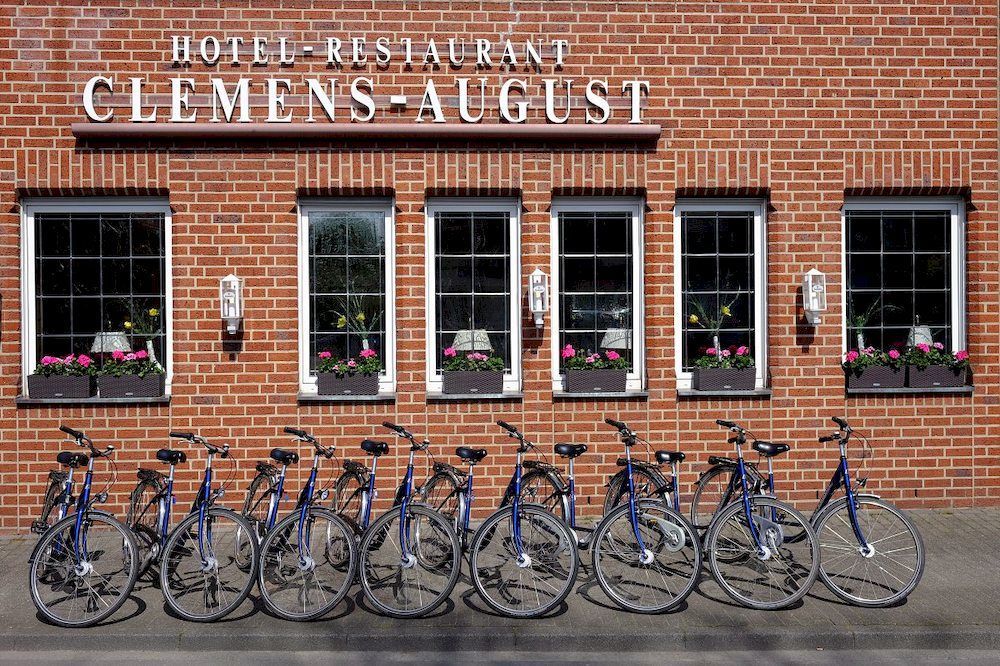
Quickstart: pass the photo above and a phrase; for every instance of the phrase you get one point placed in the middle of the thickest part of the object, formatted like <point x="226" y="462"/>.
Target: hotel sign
<point x="354" y="98"/>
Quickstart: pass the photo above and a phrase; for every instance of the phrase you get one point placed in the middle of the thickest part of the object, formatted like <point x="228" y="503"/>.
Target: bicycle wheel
<point x="57" y="484"/>
<point x="144" y="518"/>
<point x="255" y="508"/>
<point x="420" y="583"/>
<point x="645" y="482"/>
<point x="78" y="582"/>
<point x="537" y="487"/>
<point x="713" y="492"/>
<point x="441" y="494"/>
<point x="534" y="583"/>
<point x="347" y="494"/>
<point x="200" y="574"/>
<point x="775" y="578"/>
<point x="653" y="581"/>
<point x="305" y="572"/>
<point x="884" y="574"/>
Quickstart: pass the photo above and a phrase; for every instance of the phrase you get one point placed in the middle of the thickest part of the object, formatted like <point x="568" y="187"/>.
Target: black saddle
<point x="72" y="459"/>
<point x="374" y="448"/>
<point x="284" y="456"/>
<point x="471" y="455"/>
<point x="570" y="450"/>
<point x="769" y="449"/>
<point x="669" y="457"/>
<point x="171" y="457"/>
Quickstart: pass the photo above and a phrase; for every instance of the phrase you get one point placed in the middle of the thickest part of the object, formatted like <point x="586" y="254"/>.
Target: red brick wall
<point x="805" y="101"/>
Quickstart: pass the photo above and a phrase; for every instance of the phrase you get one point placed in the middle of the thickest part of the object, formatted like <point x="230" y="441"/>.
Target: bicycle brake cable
<point x="649" y="447"/>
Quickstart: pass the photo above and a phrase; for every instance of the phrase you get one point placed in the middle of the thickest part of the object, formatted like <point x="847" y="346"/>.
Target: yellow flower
<point x="341" y="321"/>
<point x="360" y="317"/>
<point x="725" y="311"/>
<point x="693" y="319"/>
<point x="128" y="325"/>
<point x="153" y="312"/>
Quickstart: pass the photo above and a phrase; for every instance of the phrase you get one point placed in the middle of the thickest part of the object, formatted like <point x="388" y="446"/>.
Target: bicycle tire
<point x="255" y="511"/>
<point x="833" y="548"/>
<point x="121" y="540"/>
<point x="703" y="510"/>
<point x="550" y="528"/>
<point x="538" y="488"/>
<point x="618" y="488"/>
<point x="175" y="551"/>
<point x="52" y="494"/>
<point x="441" y="494"/>
<point x="346" y="500"/>
<point x="145" y="526"/>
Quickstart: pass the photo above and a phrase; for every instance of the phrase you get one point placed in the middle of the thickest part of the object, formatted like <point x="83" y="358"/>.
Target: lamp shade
<point x="918" y="335"/>
<point x="617" y="338"/>
<point x="472" y="340"/>
<point x="110" y="341"/>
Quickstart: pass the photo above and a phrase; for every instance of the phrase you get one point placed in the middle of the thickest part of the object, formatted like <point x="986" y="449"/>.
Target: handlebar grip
<point x="72" y="433"/>
<point x="839" y="421"/>
<point x="295" y="431"/>
<point x="616" y="424"/>
<point x="506" y="426"/>
<point x="392" y="426"/>
<point x="828" y="438"/>
<point x="725" y="424"/>
<point x="182" y="435"/>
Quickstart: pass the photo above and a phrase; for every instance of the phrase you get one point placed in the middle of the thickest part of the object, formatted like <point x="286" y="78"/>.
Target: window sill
<point x="604" y="395"/>
<point x="95" y="400"/>
<point x="311" y="398"/>
<point x="939" y="390"/>
<point x="755" y="393"/>
<point x="465" y="397"/>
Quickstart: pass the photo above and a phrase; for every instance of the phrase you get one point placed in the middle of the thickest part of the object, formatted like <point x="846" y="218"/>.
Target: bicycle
<point x="717" y="486"/>
<point x="763" y="553"/>
<point x="200" y="573"/>
<point x="410" y="555"/>
<point x="59" y="494"/>
<point x="84" y="567"/>
<point x="858" y="565"/>
<point x="307" y="559"/>
<point x="354" y="492"/>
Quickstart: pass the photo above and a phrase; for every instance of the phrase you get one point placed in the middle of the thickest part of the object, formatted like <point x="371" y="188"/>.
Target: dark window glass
<point x="93" y="273"/>
<point x="346" y="283"/>
<point x="472" y="281"/>
<point x="596" y="281"/>
<point x="717" y="264"/>
<point x="899" y="267"/>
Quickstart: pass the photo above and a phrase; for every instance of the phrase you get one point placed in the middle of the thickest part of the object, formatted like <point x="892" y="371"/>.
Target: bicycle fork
<point x="407" y="559"/>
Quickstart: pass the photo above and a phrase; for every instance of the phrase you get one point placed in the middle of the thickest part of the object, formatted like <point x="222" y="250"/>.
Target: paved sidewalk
<point x="954" y="608"/>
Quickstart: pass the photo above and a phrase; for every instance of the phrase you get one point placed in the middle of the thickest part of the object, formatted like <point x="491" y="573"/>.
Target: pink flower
<point x="612" y="355"/>
<point x="130" y="357"/>
<point x="141" y="354"/>
<point x="477" y="356"/>
<point x="711" y="351"/>
<point x="450" y="352"/>
<point x="568" y="352"/>
<point x="367" y="353"/>
<point x="851" y="356"/>
<point x="352" y="364"/>
<point x="961" y="355"/>
<point x="118" y="355"/>
<point x="69" y="359"/>
<point x="84" y="360"/>
<point x="724" y="353"/>
<point x="742" y="350"/>
<point x="938" y="345"/>
<point x="590" y="359"/>
<point x="325" y="354"/>
<point x="893" y="354"/>
<point x="51" y="360"/>
<point x="924" y="347"/>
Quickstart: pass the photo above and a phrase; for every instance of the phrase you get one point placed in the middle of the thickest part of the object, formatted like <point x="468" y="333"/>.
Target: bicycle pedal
<point x="39" y="527"/>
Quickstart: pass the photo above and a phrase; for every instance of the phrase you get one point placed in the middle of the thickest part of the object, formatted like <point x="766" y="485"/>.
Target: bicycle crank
<point x="673" y="535"/>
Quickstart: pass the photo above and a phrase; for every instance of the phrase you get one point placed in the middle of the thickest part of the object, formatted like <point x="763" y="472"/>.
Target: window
<point x="345" y="285"/>
<point x="720" y="265"/>
<point x="474" y="272"/>
<point x="94" y="271"/>
<point x="597" y="270"/>
<point x="903" y="266"/>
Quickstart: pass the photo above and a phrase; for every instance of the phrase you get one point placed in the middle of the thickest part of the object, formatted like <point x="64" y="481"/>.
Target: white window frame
<point x="387" y="379"/>
<point x="512" y="379"/>
<point x="955" y="206"/>
<point x="36" y="205"/>
<point x="758" y="207"/>
<point x="635" y="207"/>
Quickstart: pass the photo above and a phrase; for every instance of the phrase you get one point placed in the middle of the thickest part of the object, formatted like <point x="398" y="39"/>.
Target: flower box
<point x="876" y="377"/>
<point x="328" y="383"/>
<point x="131" y="386"/>
<point x="595" y="381"/>
<point x="934" y="376"/>
<point x="60" y="386"/>
<point x="472" y="381"/>
<point x="724" y="379"/>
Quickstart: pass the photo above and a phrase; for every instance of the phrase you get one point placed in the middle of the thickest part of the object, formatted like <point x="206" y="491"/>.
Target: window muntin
<point x="347" y="277"/>
<point x="900" y="268"/>
<point x="94" y="270"/>
<point x="472" y="277"/>
<point x="596" y="282"/>
<point x="717" y="269"/>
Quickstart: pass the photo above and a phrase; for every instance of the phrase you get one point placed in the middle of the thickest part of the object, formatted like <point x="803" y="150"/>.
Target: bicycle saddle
<point x="171" y="457"/>
<point x="374" y="448"/>
<point x="284" y="456"/>
<point x="769" y="449"/>
<point x="570" y="450"/>
<point x="471" y="455"/>
<point x="669" y="457"/>
<point x="72" y="459"/>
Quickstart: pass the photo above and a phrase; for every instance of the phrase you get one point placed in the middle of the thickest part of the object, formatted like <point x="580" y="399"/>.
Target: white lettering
<point x="363" y="98"/>
<point x="432" y="56"/>
<point x="560" y="46"/>
<point x="137" y="116"/>
<point x="285" y="57"/>
<point x="597" y="100"/>
<point x="234" y="44"/>
<point x="550" y="106"/>
<point x="358" y="55"/>
<point x="260" y="56"/>
<point x="463" y="100"/>
<point x="408" y="49"/>
<point x="241" y="97"/>
<point x="179" y="89"/>
<point x="88" y="98"/>
<point x="531" y="56"/>
<point x="430" y="99"/>
<point x="522" y="106"/>
<point x="333" y="51"/>
<point x="325" y="100"/>
<point x="508" y="57"/>
<point x="276" y="100"/>
<point x="382" y="53"/>
<point x="483" y="53"/>
<point x="210" y="50"/>
<point x="181" y="49"/>
<point x="635" y="88"/>
<point x="453" y="53"/>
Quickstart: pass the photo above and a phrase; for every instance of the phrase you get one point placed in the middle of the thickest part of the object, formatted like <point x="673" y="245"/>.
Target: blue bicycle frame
<point x="406" y="489"/>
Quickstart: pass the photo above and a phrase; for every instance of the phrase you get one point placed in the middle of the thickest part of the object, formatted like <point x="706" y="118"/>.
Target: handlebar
<point x="840" y="422"/>
<point x="392" y="426"/>
<point x="829" y="438"/>
<point x="83" y="440"/>
<point x="616" y="424"/>
<point x="509" y="428"/>
<point x="726" y="424"/>
<point x="198" y="439"/>
<point x="75" y="434"/>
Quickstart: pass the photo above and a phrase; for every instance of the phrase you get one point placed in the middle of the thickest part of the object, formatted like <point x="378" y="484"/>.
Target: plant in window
<point x="859" y="320"/>
<point x="348" y="376"/>
<point x="131" y="375"/>
<point x="721" y="369"/>
<point x="62" y="377"/>
<point x="354" y="317"/>
<point x="471" y="372"/>
<point x="931" y="365"/>
<point x="733" y="357"/>
<point x="144" y="324"/>
<point x="594" y="372"/>
<point x="868" y="367"/>
<point x="711" y="323"/>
